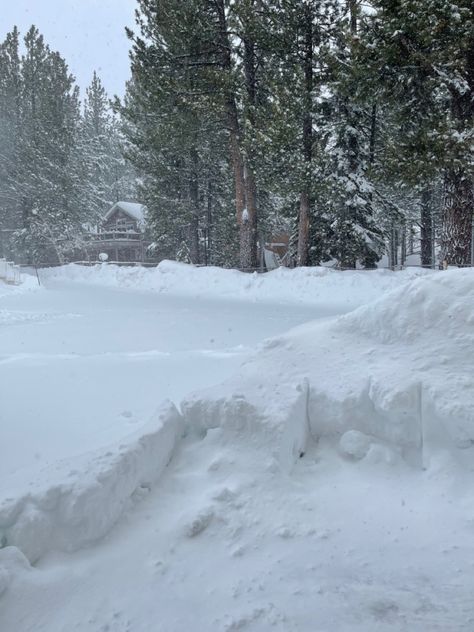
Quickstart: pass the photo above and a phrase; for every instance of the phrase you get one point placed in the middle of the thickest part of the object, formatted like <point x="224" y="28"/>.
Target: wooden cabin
<point x="122" y="234"/>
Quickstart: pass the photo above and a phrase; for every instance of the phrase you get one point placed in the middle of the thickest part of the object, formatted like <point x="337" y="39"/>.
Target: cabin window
<point x="125" y="225"/>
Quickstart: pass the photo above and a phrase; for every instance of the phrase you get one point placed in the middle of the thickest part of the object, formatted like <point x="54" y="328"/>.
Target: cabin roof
<point x="132" y="209"/>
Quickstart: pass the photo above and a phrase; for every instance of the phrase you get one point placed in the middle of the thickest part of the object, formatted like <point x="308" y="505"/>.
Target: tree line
<point x="347" y="125"/>
<point x="61" y="161"/>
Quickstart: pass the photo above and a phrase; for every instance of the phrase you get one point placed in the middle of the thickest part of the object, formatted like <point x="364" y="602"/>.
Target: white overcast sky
<point x="90" y="34"/>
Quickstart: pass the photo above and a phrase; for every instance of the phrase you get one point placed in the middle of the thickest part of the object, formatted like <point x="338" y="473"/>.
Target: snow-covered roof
<point x="134" y="210"/>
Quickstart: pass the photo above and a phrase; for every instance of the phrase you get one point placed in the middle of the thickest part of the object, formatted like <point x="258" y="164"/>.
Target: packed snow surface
<point x="323" y="485"/>
<point x="83" y="364"/>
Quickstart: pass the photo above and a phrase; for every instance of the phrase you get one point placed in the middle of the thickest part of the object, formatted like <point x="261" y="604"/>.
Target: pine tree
<point x="354" y="234"/>
<point x="10" y="102"/>
<point x="104" y="176"/>
<point x="43" y="183"/>
<point x="422" y="57"/>
<point x="293" y="34"/>
<point x="58" y="171"/>
<point x="175" y="135"/>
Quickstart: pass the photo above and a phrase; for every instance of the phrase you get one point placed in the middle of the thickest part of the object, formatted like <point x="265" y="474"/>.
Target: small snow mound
<point x="354" y="444"/>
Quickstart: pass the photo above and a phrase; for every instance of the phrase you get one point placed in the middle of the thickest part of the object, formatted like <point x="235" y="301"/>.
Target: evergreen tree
<point x="10" y="113"/>
<point x="104" y="176"/>
<point x="354" y="234"/>
<point x="176" y="140"/>
<point x="422" y="57"/>
<point x="42" y="183"/>
<point x="298" y="37"/>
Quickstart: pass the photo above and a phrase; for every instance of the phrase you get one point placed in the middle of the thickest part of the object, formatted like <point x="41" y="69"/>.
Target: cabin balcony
<point x="121" y="236"/>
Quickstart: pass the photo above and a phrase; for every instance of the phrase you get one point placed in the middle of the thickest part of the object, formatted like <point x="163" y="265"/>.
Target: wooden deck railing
<point x="117" y="236"/>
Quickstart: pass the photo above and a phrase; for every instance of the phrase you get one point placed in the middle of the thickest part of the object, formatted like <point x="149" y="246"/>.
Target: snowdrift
<point x="28" y="283"/>
<point x="379" y="400"/>
<point x="441" y="304"/>
<point x="300" y="285"/>
<point x="97" y="489"/>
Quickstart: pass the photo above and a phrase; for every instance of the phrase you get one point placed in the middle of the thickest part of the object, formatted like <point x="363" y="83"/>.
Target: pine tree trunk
<point x="456" y="239"/>
<point x="248" y="226"/>
<point x="411" y="241"/>
<point x="303" y="229"/>
<point x="373" y="134"/>
<point x="304" y="220"/>
<point x="427" y="227"/>
<point x="209" y="253"/>
<point x="194" y="240"/>
<point x="353" y="14"/>
<point x="347" y="258"/>
<point x="403" y="253"/>
<point x="393" y="252"/>
<point x="244" y="219"/>
<point x="238" y="170"/>
<point x="194" y="195"/>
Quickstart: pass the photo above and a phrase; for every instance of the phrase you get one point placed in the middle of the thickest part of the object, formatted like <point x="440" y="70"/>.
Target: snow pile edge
<point x="74" y="514"/>
<point x="284" y="435"/>
<point x="311" y="285"/>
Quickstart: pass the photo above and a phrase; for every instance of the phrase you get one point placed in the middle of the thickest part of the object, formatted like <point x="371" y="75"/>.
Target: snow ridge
<point x="314" y="285"/>
<point x="80" y="511"/>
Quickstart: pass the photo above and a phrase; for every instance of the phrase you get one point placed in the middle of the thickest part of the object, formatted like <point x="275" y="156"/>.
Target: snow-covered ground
<point x="82" y="366"/>
<point x="324" y="485"/>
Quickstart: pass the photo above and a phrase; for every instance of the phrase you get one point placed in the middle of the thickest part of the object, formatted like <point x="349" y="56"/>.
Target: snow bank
<point x="413" y="398"/>
<point x="28" y="283"/>
<point x="300" y="285"/>
<point x="441" y="302"/>
<point x="94" y="494"/>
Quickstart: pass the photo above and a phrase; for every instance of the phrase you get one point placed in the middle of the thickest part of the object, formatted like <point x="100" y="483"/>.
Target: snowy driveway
<point x="227" y="540"/>
<point x="83" y="366"/>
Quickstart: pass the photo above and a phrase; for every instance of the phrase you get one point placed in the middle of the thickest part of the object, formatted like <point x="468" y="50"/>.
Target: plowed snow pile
<point x="399" y="370"/>
<point x="301" y="285"/>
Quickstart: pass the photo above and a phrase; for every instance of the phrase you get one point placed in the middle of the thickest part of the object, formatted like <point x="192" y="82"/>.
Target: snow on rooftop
<point x="135" y="210"/>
